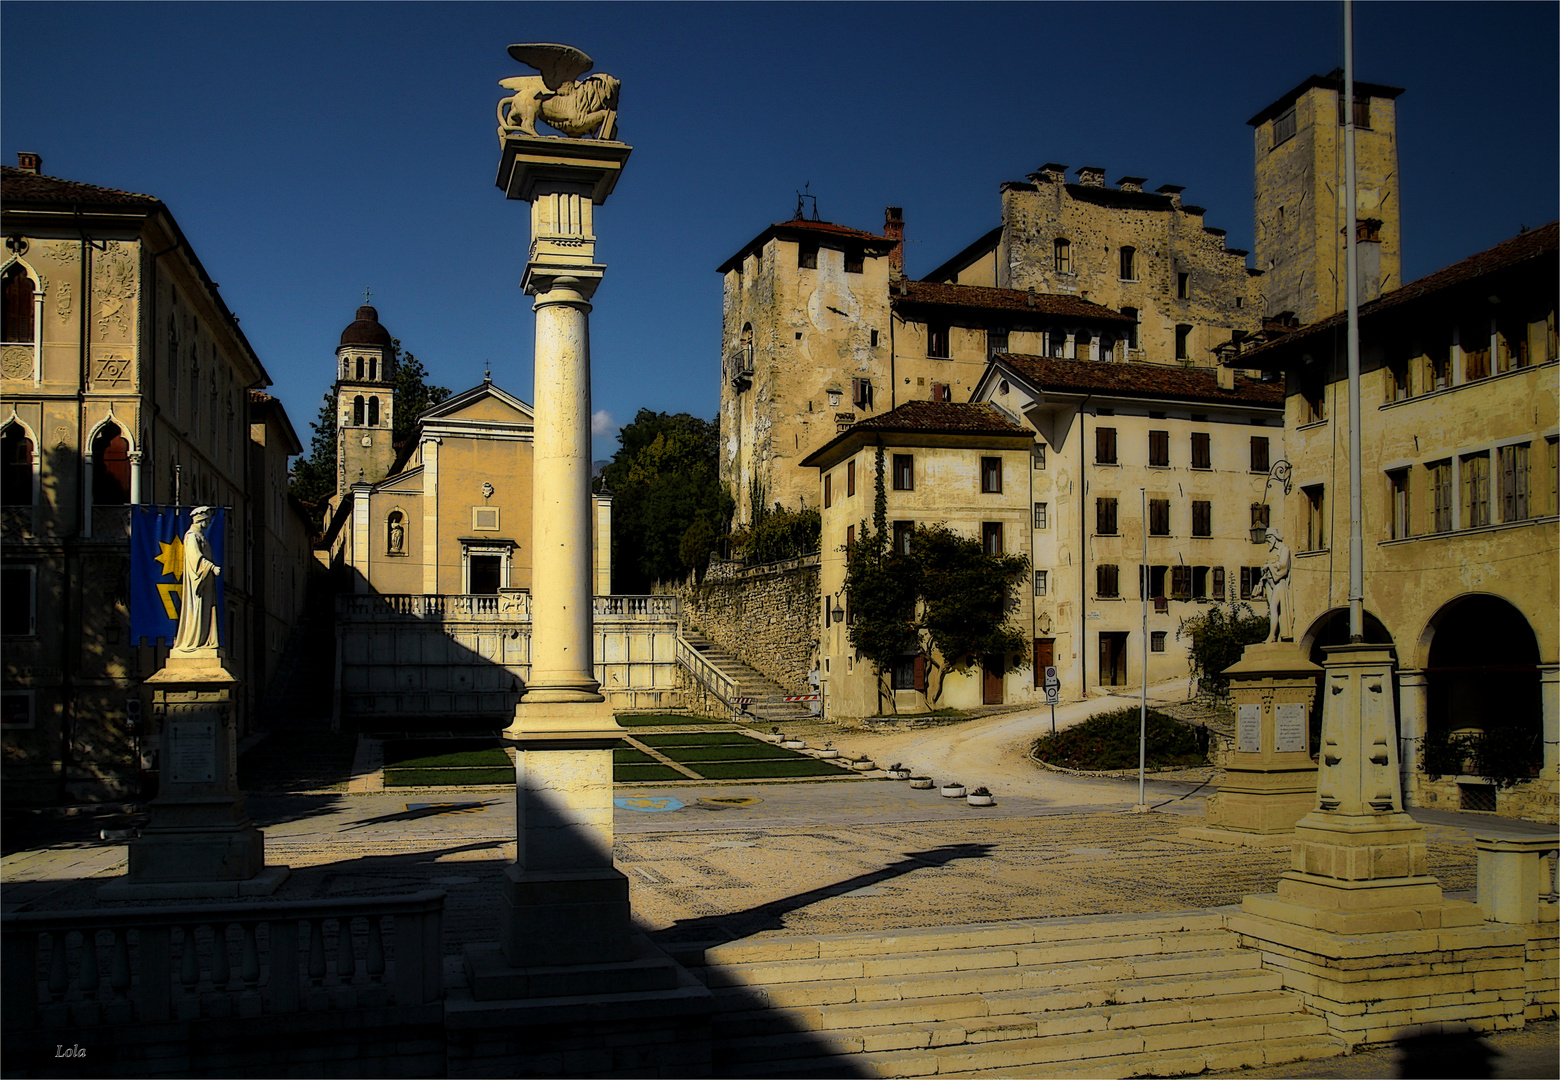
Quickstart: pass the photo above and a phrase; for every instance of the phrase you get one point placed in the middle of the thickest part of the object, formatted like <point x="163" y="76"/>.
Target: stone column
<point x="565" y="904"/>
<point x="1413" y="699"/>
<point x="1549" y="691"/>
<point x="1270" y="779"/>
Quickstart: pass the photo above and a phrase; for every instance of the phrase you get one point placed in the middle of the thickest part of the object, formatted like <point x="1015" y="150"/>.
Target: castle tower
<point x="1300" y="191"/>
<point x="365" y="401"/>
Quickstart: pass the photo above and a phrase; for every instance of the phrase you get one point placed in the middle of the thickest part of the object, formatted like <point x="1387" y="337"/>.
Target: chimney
<point x="1091" y="176"/>
<point x="1174" y="191"/>
<point x="1051" y="173"/>
<point x="29" y="163"/>
<point x="894" y="229"/>
<point x="1226" y="377"/>
<point x="1132" y="183"/>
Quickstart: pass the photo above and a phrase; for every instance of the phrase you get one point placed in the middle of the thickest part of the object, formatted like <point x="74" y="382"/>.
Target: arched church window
<point x="360" y="367"/>
<point x="110" y="467"/>
<point x="373" y="411"/>
<point x="357" y="410"/>
<point x="16" y="467"/>
<point x="373" y="367"/>
<point x="18" y="313"/>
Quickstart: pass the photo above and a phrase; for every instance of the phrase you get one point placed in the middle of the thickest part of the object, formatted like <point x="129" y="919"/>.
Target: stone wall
<point x="1530" y="800"/>
<point x="767" y="616"/>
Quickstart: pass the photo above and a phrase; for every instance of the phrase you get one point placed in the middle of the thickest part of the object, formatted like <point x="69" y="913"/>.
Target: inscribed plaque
<point x="1289" y="728"/>
<point x="1248" y="729"/>
<point x="192" y="751"/>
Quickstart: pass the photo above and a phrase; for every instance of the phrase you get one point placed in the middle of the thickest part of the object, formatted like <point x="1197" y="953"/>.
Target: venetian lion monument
<point x="558" y="96"/>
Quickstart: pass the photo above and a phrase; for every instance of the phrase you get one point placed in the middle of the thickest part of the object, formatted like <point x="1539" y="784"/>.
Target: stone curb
<point x="1109" y="774"/>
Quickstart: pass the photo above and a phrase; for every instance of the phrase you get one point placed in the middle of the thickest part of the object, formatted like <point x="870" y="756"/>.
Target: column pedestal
<point x="1270" y="780"/>
<point x="1358" y="927"/>
<point x="201" y="843"/>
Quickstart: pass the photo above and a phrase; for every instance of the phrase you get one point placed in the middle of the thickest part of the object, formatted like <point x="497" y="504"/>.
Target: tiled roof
<point x="989" y="299"/>
<point x="1333" y="80"/>
<point x="1540" y="243"/>
<point x="822" y="231"/>
<point x="1139" y="380"/>
<point x="931" y="418"/>
<point x="20" y="186"/>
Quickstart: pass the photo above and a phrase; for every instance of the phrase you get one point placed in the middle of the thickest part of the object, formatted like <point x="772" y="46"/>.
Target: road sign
<point x="1053" y="694"/>
<point x="1050" y="677"/>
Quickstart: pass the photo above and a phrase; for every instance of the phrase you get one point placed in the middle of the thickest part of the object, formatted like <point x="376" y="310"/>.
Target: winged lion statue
<point x="558" y="96"/>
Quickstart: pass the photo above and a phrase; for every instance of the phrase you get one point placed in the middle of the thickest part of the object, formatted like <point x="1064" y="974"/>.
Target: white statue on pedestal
<point x="1275" y="584"/>
<point x="558" y="96"/>
<point x="198" y="614"/>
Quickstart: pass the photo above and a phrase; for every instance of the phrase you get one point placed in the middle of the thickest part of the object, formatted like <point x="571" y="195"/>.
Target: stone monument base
<point x="266" y="882"/>
<point x="554" y="917"/>
<point x="642" y="967"/>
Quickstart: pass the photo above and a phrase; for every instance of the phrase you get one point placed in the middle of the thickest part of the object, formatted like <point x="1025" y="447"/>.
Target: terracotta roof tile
<point x="1139" y="380"/>
<point x="1540" y="243"/>
<point x="20" y="186"/>
<point x="930" y="418"/>
<point x="821" y="230"/>
<point x="985" y="298"/>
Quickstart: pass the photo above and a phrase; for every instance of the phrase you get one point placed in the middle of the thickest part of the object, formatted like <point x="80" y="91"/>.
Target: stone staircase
<point x="1098" y="996"/>
<point x="769" y="706"/>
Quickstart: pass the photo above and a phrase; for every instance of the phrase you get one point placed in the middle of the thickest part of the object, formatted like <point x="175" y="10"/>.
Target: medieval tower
<point x="365" y="401"/>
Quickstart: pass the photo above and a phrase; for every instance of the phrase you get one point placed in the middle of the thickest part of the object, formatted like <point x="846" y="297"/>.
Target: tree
<point x="946" y="598"/>
<point x="313" y="479"/>
<point x="1218" y="637"/>
<point x="669" y="506"/>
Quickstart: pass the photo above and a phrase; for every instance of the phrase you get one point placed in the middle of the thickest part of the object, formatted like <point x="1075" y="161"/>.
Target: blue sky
<point x="310" y="150"/>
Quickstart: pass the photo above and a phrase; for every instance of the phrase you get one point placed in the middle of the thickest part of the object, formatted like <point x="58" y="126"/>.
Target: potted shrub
<point x="862" y="764"/>
<point x="952" y="789"/>
<point x="924" y="783"/>
<point x="828" y="750"/>
<point x="981" y="796"/>
<point x="791" y="742"/>
<point x="896" y="771"/>
<point x="774" y="735"/>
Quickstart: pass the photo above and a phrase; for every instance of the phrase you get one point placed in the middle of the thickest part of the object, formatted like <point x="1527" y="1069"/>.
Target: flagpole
<point x="1143" y="708"/>
<point x="1351" y="266"/>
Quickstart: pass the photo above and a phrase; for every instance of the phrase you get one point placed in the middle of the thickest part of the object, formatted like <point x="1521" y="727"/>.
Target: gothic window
<point x="357" y="411"/>
<point x="16" y="467"/>
<point x="110" y="467"/>
<point x="373" y="411"/>
<point x="18" y="312"/>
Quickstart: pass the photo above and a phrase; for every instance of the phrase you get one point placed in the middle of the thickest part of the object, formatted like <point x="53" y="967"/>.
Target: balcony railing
<point x="145" y="965"/>
<point x="503" y="607"/>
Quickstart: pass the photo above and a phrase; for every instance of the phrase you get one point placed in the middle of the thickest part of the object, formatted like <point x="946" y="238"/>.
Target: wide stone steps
<point x="1117" y="995"/>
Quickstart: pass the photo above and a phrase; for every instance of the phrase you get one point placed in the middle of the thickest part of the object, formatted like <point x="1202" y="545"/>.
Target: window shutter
<point x="920" y="671"/>
<point x="1218" y="583"/>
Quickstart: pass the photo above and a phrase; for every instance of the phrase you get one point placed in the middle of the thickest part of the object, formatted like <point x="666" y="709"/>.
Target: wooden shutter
<point x="1218" y="583"/>
<point x="920" y="671"/>
<point x="1105" y="446"/>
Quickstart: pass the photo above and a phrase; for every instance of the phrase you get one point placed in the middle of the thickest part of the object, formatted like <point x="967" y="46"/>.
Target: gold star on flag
<point x="171" y="557"/>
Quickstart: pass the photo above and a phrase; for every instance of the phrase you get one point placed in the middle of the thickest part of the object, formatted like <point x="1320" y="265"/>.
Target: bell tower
<point x="365" y="401"/>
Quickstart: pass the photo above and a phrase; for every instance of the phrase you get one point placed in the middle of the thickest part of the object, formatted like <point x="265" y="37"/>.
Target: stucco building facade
<point x="126" y="381"/>
<point x="1459" y="496"/>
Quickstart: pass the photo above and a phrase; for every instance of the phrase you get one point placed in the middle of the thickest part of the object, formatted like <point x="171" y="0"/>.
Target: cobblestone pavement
<point x="800" y="857"/>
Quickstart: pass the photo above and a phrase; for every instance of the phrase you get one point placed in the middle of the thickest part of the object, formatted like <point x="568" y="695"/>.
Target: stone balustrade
<point x="72" y="969"/>
<point x="1517" y="877"/>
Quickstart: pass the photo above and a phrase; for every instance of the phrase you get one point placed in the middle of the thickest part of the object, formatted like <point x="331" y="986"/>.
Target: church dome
<point x="366" y="329"/>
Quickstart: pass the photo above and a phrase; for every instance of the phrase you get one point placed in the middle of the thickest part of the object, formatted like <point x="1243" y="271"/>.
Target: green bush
<point x="1218" y="637"/>
<point x="1110" y="741"/>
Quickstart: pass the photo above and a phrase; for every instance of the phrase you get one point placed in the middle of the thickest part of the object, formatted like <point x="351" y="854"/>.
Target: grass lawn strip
<point x="682" y="771"/>
<point x="693" y="738"/>
<point x="435" y="753"/>
<point x="627" y="755"/>
<point x="447" y="777"/>
<point x="665" y="720"/>
<point x="690" y="755"/>
<point x="747" y="770"/>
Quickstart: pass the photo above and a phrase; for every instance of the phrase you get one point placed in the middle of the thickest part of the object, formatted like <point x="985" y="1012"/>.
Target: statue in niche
<point x="558" y="96"/>
<point x="1275" y="585"/>
<point x="397" y="535"/>
<point x="198" y="614"/>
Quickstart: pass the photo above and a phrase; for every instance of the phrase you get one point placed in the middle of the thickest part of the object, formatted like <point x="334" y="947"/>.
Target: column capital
<point x="532" y="165"/>
<point x="561" y="283"/>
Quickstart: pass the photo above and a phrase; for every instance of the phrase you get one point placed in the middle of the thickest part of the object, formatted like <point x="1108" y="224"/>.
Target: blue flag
<point x="157" y="570"/>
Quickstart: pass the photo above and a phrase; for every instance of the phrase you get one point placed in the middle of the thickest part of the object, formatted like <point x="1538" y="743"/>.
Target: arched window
<point x="373" y="411"/>
<point x="18" y="313"/>
<point x="1129" y="264"/>
<point x="360" y="367"/>
<point x="16" y="467"/>
<point x="110" y="467"/>
<point x="1062" y="250"/>
<point x="357" y="410"/>
<point x="346" y="367"/>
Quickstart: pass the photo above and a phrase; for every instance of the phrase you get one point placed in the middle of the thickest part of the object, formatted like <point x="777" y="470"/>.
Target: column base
<point x="579" y="717"/>
<point x="553" y="917"/>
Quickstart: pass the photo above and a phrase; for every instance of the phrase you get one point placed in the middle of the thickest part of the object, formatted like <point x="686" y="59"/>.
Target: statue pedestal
<point x="1358" y="928"/>
<point x="1270" y="781"/>
<point x="201" y="843"/>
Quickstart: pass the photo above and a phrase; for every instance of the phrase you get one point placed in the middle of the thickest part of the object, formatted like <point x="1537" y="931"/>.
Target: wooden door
<point x="1045" y="656"/>
<point x="991" y="681"/>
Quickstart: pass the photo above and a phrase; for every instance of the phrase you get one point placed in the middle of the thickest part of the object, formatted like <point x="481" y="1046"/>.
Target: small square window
<point x="903" y="531"/>
<point x="991" y="537"/>
<point x="1156" y="641"/>
<point x="853" y="262"/>
<point x="1039" y="455"/>
<point x="937" y="340"/>
<point x="1041" y="515"/>
<point x="807" y="256"/>
<point x="1041" y="582"/>
<point x="1107" y="581"/>
<point x="904" y="472"/>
